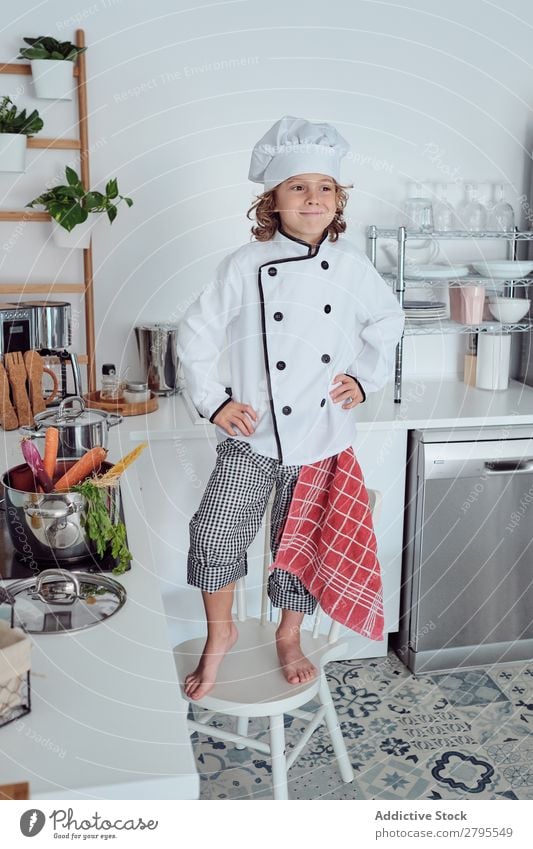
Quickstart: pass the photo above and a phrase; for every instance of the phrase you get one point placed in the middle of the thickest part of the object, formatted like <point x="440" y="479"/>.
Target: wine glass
<point x="501" y="213"/>
<point x="472" y="215"/>
<point x="418" y="210"/>
<point x="443" y="212"/>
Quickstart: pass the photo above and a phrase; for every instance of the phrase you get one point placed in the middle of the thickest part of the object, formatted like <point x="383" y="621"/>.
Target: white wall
<point x="180" y="91"/>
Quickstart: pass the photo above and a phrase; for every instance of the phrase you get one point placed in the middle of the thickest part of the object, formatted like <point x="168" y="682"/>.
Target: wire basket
<point x="15" y="688"/>
<point x="15" y="698"/>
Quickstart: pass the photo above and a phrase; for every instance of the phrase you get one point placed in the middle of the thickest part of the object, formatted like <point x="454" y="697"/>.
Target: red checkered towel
<point x="328" y="542"/>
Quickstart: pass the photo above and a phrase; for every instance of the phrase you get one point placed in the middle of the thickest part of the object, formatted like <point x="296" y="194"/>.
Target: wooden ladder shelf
<point x="81" y="144"/>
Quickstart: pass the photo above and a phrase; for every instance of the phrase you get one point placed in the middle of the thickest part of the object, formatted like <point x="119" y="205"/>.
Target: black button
<point x="272" y="271"/>
<point x="327" y="308"/>
<point x="278" y="316"/>
<point x="324" y="264"/>
<point x="280" y="365"/>
<point x="322" y="402"/>
<point x="325" y="358"/>
<point x="286" y="411"/>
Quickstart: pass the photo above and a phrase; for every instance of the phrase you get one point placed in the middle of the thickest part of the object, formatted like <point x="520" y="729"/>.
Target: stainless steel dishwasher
<point x="467" y="578"/>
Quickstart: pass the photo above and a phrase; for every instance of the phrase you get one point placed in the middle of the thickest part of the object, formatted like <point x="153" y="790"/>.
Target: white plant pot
<point x="79" y="237"/>
<point x="53" y="79"/>
<point x="12" y="152"/>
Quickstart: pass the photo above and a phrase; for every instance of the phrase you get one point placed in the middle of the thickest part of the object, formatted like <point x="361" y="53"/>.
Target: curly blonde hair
<point x="268" y="220"/>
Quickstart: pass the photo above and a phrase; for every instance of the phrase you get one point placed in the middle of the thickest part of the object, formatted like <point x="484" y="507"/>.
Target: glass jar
<point x="111" y="386"/>
<point x="136" y="392"/>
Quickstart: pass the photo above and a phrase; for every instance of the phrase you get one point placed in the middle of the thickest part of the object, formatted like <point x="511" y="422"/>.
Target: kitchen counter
<point x="107" y="719"/>
<point x="426" y="403"/>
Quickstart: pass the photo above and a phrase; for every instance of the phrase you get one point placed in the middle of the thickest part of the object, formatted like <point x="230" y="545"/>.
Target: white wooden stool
<point x="251" y="684"/>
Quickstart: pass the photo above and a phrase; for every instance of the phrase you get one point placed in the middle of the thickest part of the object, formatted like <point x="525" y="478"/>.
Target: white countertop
<point x="425" y="404"/>
<point x="107" y="719"/>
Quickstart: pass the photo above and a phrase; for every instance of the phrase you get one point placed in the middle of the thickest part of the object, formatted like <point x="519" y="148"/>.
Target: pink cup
<point x="466" y="304"/>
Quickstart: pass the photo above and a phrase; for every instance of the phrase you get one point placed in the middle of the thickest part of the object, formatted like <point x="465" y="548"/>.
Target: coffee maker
<point x="45" y="327"/>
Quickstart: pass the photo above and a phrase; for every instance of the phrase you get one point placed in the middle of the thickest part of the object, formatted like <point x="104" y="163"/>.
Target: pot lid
<point x="71" y="411"/>
<point x="58" y="600"/>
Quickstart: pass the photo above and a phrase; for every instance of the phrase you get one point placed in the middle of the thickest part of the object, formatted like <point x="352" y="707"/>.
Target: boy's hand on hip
<point x="235" y="416"/>
<point x="346" y="390"/>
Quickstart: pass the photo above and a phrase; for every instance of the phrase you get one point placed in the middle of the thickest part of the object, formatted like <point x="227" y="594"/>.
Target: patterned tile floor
<point x="459" y="735"/>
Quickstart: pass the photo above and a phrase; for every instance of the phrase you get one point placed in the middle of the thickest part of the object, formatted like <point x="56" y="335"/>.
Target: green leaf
<point x="33" y="53"/>
<point x="111" y="213"/>
<point x="72" y="177"/>
<point x="47" y="47"/>
<point x="128" y="201"/>
<point x="93" y="201"/>
<point x="68" y="217"/>
<point x="67" y="192"/>
<point x="111" y="189"/>
<point x="100" y="529"/>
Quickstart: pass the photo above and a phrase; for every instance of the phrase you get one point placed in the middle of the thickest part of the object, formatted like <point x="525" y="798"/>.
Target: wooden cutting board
<point x="14" y="791"/>
<point x="92" y="399"/>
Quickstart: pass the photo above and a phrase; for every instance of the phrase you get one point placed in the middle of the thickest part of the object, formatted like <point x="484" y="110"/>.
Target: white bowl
<point x="508" y="310"/>
<point x="506" y="269"/>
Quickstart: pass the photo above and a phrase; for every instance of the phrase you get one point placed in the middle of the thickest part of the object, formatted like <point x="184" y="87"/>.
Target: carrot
<point x="90" y="462"/>
<point x="51" y="442"/>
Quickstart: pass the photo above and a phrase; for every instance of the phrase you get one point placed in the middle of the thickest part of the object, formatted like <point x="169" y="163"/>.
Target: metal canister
<point x="157" y="344"/>
<point x="52" y="324"/>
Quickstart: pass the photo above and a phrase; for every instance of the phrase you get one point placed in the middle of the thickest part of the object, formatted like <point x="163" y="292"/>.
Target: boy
<point x="278" y="354"/>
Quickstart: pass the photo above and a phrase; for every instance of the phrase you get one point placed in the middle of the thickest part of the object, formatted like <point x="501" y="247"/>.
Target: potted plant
<point x="15" y="126"/>
<point x="73" y="209"/>
<point x="51" y="66"/>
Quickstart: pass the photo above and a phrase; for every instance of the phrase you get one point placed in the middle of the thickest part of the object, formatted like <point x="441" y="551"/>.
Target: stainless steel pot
<point x="52" y="324"/>
<point x="49" y="527"/>
<point x="79" y="429"/>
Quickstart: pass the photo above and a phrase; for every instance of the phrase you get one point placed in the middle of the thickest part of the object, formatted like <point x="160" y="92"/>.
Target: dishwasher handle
<point x="510" y="465"/>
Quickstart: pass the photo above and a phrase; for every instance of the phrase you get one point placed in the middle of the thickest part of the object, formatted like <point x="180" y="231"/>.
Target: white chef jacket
<point x="281" y="319"/>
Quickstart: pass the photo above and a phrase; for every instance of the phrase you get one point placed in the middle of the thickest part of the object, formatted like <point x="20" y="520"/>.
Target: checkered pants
<point x="229" y="517"/>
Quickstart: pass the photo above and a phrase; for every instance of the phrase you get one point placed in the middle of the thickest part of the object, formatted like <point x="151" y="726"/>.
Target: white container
<point x="493" y="358"/>
<point x="13" y="152"/>
<point x="78" y="237"/>
<point x="53" y="78"/>
<point x="136" y="392"/>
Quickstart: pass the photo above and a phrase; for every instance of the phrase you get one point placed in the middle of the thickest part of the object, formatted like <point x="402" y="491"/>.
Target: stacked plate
<point x="440" y="271"/>
<point x="424" y="310"/>
<point x="504" y="269"/>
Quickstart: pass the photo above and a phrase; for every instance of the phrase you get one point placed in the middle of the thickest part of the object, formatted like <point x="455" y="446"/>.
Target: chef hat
<point x="296" y="146"/>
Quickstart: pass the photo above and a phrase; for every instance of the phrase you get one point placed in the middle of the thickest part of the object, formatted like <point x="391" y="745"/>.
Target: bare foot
<point x="295" y="666"/>
<point x="199" y="683"/>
